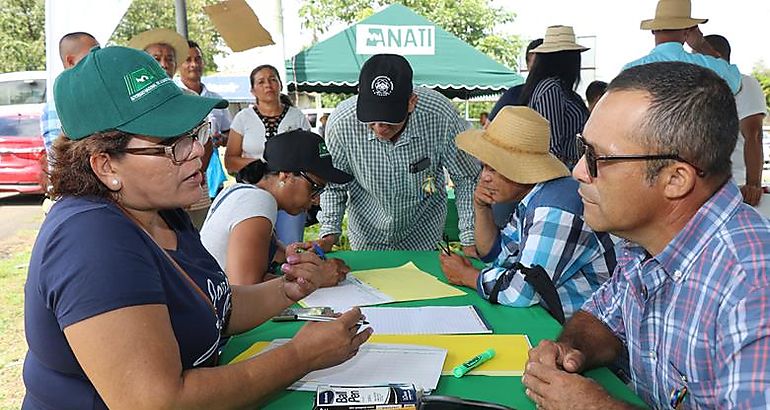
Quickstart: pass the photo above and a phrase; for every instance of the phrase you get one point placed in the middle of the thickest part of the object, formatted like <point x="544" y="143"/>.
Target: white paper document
<point x="379" y="363"/>
<point x="437" y="320"/>
<point x="351" y="292"/>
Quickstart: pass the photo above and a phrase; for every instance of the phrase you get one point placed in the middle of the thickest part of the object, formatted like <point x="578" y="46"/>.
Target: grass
<point x="14" y="259"/>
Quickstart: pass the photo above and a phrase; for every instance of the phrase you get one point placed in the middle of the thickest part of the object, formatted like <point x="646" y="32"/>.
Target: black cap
<point x="384" y="88"/>
<point x="301" y="150"/>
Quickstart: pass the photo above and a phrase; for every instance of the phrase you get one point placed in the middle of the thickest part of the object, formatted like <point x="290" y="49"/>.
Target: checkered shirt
<point x="578" y="259"/>
<point x="50" y="127"/>
<point x="698" y="313"/>
<point x="387" y="204"/>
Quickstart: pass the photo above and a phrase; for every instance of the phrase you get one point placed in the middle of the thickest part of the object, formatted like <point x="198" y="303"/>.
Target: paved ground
<point x="19" y="212"/>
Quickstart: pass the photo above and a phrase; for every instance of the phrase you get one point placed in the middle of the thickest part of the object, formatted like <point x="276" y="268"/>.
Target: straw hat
<point x="162" y="36"/>
<point x="672" y="15"/>
<point x="559" y="38"/>
<point x="515" y="144"/>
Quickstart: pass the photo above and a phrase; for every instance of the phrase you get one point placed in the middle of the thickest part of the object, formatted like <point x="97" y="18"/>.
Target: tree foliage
<point x="144" y="15"/>
<point x="762" y="73"/>
<point x="22" y="35"/>
<point x="473" y="21"/>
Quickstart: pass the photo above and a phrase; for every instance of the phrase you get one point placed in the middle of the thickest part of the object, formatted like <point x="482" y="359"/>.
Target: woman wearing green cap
<point x="124" y="307"/>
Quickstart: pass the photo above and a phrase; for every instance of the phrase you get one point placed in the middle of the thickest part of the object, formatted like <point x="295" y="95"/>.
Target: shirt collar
<point x="525" y="201"/>
<point x="668" y="47"/>
<point x="679" y="255"/>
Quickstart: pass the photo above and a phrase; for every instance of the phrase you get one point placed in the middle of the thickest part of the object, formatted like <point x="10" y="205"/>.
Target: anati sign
<point x="403" y="40"/>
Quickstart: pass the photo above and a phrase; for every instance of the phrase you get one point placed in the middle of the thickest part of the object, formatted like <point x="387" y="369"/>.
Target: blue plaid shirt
<point x="698" y="313"/>
<point x="50" y="126"/>
<point x="578" y="259"/>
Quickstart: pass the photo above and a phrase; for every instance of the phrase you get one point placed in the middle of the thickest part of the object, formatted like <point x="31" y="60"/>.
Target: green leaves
<point x="22" y="35"/>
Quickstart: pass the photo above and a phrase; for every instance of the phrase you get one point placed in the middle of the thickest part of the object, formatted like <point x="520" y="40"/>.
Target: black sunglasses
<point x="591" y="158"/>
<point x="315" y="188"/>
<point x="180" y="147"/>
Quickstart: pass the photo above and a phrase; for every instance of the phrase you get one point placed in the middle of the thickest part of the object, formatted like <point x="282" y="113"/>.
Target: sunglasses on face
<point x="180" y="148"/>
<point x="592" y="159"/>
<point x="315" y="188"/>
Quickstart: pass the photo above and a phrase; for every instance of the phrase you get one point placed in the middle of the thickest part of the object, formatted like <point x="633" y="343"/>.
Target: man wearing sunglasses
<point x="688" y="301"/>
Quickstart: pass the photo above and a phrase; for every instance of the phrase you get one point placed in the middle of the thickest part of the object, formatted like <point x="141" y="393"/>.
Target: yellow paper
<point x="250" y="352"/>
<point x="511" y="351"/>
<point x="407" y="282"/>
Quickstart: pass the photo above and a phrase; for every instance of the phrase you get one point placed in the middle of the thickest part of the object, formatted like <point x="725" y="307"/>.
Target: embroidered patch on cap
<point x="382" y="86"/>
<point x="322" y="150"/>
<point x="141" y="82"/>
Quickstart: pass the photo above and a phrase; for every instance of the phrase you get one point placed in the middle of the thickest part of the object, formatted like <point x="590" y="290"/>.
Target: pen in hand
<point x="315" y="318"/>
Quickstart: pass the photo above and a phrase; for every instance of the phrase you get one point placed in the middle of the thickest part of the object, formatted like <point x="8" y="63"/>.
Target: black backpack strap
<point x="538" y="278"/>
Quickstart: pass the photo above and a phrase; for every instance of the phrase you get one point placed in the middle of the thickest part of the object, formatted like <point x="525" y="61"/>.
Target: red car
<point x="22" y="153"/>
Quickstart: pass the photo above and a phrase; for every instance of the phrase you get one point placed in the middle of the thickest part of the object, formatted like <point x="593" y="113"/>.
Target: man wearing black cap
<point x="396" y="141"/>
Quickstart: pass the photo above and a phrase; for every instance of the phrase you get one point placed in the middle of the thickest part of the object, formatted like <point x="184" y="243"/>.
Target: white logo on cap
<point x="382" y="86"/>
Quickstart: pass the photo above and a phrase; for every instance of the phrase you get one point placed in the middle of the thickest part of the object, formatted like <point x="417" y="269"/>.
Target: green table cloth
<point x="535" y="322"/>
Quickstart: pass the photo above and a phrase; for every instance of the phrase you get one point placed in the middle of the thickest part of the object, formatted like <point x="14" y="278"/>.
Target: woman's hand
<point x="324" y="344"/>
<point x="303" y="274"/>
<point x="334" y="272"/>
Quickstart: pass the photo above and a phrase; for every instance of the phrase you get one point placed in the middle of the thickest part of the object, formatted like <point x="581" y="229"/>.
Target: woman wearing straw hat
<point x="546" y="228"/>
<point x="550" y="90"/>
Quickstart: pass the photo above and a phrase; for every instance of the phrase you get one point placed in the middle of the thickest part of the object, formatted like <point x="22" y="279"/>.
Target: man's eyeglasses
<point x="181" y="147"/>
<point x="315" y="188"/>
<point x="591" y="158"/>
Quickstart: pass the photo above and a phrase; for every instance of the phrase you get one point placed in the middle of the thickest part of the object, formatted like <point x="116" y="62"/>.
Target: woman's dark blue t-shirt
<point x="89" y="259"/>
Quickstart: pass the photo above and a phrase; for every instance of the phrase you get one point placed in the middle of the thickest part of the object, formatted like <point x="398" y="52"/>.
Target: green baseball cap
<point x="119" y="88"/>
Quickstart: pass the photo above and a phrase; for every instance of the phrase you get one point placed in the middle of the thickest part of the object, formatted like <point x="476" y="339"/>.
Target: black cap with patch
<point x="384" y="88"/>
<point x="301" y="150"/>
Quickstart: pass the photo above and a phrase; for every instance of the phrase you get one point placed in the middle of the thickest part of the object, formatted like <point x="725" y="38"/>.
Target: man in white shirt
<point x="747" y="157"/>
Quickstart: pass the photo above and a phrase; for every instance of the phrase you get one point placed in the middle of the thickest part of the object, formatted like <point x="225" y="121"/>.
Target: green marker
<point x="460" y="370"/>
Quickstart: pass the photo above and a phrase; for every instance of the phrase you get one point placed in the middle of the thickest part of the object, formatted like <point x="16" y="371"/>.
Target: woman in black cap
<point x="239" y="230"/>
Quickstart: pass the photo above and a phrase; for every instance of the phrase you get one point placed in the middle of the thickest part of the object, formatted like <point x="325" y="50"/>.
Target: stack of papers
<point x="378" y="286"/>
<point x="511" y="351"/>
<point x="426" y="320"/>
<point x="377" y="364"/>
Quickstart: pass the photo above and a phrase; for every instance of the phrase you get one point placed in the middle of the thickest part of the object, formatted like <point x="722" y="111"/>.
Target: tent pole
<point x="467" y="118"/>
<point x="181" y="17"/>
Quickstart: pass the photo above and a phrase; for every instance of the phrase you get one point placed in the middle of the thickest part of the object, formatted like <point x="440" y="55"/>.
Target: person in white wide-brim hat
<point x="546" y="227"/>
<point x="673" y="26"/>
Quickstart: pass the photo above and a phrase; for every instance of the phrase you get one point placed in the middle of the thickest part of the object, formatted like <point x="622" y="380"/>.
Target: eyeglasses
<point x="181" y="147"/>
<point x="315" y="188"/>
<point x="591" y="158"/>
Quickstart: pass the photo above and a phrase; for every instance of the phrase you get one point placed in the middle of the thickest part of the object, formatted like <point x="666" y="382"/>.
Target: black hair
<point x="691" y="113"/>
<point x="564" y="65"/>
<point x="193" y="44"/>
<point x="533" y="45"/>
<point x="595" y="90"/>
<point x="252" y="173"/>
<point x="720" y="44"/>
<point x="260" y="68"/>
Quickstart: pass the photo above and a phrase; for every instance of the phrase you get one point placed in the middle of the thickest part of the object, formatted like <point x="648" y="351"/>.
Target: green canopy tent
<point x="439" y="60"/>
